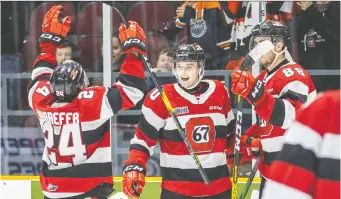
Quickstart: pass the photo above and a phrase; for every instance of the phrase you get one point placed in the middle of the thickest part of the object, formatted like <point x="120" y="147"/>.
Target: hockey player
<point x="308" y="166"/>
<point x="204" y="111"/>
<point x="75" y="119"/>
<point x="276" y="93"/>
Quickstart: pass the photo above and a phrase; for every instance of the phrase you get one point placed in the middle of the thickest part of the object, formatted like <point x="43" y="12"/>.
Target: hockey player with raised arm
<point x="74" y="118"/>
<point x="308" y="166"/>
<point x="276" y="93"/>
<point x="204" y="111"/>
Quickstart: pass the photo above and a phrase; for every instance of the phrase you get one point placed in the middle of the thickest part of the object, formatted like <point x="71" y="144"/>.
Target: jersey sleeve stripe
<point x="283" y="113"/>
<point x="296" y="87"/>
<point x="272" y="144"/>
<point x="148" y="129"/>
<point x="211" y="160"/>
<point x="300" y="134"/>
<point x="143" y="143"/>
<point x="230" y="116"/>
<point x="331" y="146"/>
<point x="30" y="95"/>
<point x="114" y="99"/>
<point x="152" y="118"/>
<point x="139" y="148"/>
<point x="39" y="71"/>
<point x="134" y="94"/>
<point x="106" y="108"/>
<point x="132" y="81"/>
<point x="272" y="188"/>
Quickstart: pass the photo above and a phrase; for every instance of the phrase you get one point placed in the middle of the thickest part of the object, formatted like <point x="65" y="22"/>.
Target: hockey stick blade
<point x="250" y="179"/>
<point x="169" y="107"/>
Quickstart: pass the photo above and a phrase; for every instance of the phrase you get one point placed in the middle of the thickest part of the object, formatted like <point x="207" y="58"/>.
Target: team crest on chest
<point x="181" y="110"/>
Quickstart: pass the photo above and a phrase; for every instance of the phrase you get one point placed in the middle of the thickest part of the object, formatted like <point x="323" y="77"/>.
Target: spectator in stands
<point x="65" y="52"/>
<point x="209" y="24"/>
<point x="164" y="64"/>
<point x="316" y="31"/>
<point x="116" y="56"/>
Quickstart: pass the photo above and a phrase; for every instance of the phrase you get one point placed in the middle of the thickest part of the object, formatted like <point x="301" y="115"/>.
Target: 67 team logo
<point x="201" y="134"/>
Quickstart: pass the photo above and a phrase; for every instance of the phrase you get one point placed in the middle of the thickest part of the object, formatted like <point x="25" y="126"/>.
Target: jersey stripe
<point x="174" y="135"/>
<point x="211" y="160"/>
<point x="272" y="144"/>
<point x="179" y="148"/>
<point x="191" y="175"/>
<point x="218" y="119"/>
<point x="67" y="187"/>
<point x="198" y="188"/>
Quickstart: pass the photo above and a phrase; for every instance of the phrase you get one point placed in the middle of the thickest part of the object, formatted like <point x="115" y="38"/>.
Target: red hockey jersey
<point x="77" y="153"/>
<point x="207" y="121"/>
<point x="288" y="86"/>
<point x="308" y="166"/>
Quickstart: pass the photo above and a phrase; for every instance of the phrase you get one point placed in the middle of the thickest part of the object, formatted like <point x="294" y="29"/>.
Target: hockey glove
<point x="244" y="84"/>
<point x="55" y="29"/>
<point x="133" y="38"/>
<point x="133" y="179"/>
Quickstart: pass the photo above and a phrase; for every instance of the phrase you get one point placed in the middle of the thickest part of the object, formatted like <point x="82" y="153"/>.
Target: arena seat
<point x="89" y="20"/>
<point x="90" y="49"/>
<point x="151" y="15"/>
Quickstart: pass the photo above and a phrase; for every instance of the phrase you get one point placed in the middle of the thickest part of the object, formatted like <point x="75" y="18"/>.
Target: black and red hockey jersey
<point x="288" y="86"/>
<point x="77" y="154"/>
<point x="207" y="120"/>
<point x="308" y="166"/>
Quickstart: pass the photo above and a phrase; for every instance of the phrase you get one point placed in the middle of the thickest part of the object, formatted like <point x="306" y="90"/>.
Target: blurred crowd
<point x="222" y="28"/>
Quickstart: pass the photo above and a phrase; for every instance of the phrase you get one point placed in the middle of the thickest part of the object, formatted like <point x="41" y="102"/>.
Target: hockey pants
<point x="165" y="194"/>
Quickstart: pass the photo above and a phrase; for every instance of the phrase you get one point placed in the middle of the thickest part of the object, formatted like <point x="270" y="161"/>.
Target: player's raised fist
<point x="133" y="179"/>
<point x="133" y="38"/>
<point x="55" y="27"/>
<point x="244" y="84"/>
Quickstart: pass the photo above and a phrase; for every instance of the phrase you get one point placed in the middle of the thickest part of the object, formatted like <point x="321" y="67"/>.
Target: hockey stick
<point x="237" y="153"/>
<point x="169" y="108"/>
<point x="250" y="179"/>
<point x="237" y="148"/>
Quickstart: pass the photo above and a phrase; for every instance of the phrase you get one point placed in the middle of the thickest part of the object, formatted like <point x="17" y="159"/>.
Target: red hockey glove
<point x="244" y="84"/>
<point x="134" y="172"/>
<point x="54" y="30"/>
<point x="253" y="143"/>
<point x="133" y="38"/>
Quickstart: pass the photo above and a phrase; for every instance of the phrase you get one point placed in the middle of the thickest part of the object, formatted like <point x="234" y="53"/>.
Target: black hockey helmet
<point x="190" y="52"/>
<point x="67" y="80"/>
<point x="275" y="30"/>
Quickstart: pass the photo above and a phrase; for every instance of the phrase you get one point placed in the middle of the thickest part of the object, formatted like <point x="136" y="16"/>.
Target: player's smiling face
<point x="188" y="73"/>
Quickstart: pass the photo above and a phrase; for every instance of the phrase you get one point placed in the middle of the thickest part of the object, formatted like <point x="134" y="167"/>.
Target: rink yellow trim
<point x="116" y="179"/>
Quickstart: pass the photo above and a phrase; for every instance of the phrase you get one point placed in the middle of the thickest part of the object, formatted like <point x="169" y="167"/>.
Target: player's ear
<point x="279" y="46"/>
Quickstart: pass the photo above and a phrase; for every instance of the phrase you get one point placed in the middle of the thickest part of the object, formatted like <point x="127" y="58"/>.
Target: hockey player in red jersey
<point x="276" y="93"/>
<point x="204" y="111"/>
<point x="308" y="166"/>
<point x="75" y="118"/>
